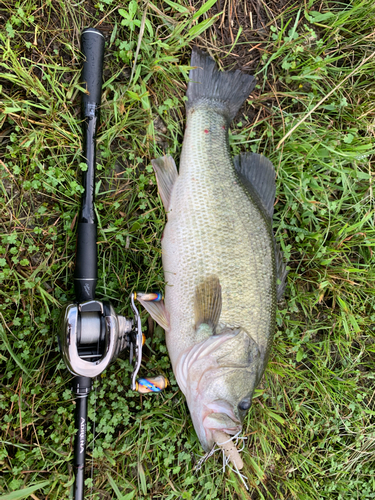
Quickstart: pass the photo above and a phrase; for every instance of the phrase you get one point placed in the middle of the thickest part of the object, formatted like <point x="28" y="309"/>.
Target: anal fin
<point x="166" y="175"/>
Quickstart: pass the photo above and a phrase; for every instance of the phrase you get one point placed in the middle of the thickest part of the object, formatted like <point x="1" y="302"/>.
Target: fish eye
<point x="244" y="404"/>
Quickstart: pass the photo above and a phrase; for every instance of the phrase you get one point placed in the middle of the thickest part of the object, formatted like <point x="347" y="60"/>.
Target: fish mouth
<point x="218" y="416"/>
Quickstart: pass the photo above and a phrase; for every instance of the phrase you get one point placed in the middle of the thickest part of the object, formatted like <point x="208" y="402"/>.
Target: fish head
<point x="218" y="377"/>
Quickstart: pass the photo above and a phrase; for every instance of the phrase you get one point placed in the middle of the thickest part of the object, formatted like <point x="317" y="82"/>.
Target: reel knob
<point x="148" y="297"/>
<point x="151" y="384"/>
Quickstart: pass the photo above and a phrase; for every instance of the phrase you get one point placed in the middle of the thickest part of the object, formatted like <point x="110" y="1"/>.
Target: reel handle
<point x="149" y="384"/>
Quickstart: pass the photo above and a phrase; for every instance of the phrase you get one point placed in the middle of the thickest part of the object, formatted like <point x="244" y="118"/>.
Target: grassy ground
<point x="310" y="430"/>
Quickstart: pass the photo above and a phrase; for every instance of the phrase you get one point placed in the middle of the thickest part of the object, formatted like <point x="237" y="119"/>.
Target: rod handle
<point x="92" y="47"/>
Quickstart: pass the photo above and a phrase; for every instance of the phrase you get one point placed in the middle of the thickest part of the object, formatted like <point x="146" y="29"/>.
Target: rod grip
<point x="92" y="47"/>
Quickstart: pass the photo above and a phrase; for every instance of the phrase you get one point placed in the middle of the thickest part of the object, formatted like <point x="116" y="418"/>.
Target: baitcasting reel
<point x="92" y="335"/>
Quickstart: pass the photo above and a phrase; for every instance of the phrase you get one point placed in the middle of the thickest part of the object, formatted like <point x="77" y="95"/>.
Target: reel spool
<point x="92" y="335"/>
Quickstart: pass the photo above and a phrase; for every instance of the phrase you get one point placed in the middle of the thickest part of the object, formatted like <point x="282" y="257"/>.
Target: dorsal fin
<point x="207" y="302"/>
<point x="257" y="174"/>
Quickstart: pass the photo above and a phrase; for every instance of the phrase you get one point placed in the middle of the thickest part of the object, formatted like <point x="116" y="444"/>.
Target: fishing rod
<point x="92" y="335"/>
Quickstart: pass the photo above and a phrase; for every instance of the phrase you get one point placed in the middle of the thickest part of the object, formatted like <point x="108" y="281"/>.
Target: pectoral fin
<point x="157" y="311"/>
<point x="207" y="302"/>
<point x="166" y="175"/>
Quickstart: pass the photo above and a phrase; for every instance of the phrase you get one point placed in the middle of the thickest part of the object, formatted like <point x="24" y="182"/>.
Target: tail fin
<point x="207" y="83"/>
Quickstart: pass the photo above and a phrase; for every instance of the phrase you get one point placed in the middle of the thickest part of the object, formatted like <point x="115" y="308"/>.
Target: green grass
<point x="311" y="432"/>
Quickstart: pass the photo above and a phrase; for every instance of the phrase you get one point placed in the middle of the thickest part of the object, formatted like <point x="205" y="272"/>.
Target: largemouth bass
<point x="220" y="259"/>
